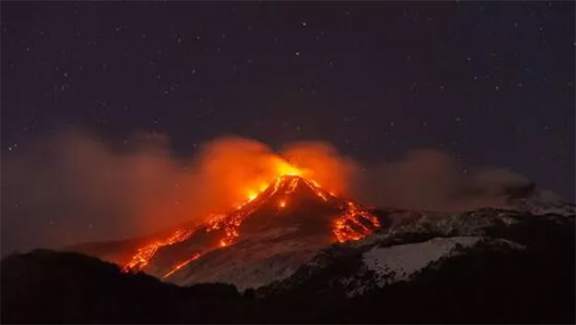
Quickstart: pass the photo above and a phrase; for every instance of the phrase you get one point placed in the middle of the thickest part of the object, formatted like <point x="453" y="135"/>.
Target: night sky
<point x="491" y="83"/>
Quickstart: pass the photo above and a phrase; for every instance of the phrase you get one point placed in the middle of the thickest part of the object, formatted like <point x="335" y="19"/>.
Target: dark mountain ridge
<point x="488" y="265"/>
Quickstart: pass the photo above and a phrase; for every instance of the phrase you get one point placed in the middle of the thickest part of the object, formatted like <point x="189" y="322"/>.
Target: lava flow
<point x="352" y="223"/>
<point x="143" y="255"/>
<point x="181" y="265"/>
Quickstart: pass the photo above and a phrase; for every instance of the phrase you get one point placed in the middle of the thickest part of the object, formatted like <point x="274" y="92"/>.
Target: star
<point x="362" y="86"/>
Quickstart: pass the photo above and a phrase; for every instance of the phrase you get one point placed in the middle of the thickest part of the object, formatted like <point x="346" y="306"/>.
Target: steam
<point x="430" y="179"/>
<point x="74" y="187"/>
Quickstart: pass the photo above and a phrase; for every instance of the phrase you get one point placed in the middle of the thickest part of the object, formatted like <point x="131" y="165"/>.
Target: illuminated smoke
<point x="74" y="187"/>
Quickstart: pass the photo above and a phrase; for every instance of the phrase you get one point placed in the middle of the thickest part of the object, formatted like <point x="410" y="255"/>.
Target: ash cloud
<point x="74" y="187"/>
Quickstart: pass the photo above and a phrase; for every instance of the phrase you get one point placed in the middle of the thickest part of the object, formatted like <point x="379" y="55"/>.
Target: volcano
<point x="293" y="243"/>
<point x="263" y="239"/>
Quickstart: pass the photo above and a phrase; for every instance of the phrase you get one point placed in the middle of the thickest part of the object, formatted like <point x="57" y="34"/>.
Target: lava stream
<point x="354" y="224"/>
<point x="145" y="253"/>
<point x="181" y="265"/>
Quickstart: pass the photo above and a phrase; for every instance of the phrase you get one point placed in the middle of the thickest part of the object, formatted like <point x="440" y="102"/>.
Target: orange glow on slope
<point x="145" y="253"/>
<point x="181" y="265"/>
<point x="354" y="223"/>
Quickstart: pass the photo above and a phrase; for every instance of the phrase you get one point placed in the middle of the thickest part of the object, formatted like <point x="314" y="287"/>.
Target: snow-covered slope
<point x="543" y="202"/>
<point x="406" y="250"/>
<point x="387" y="265"/>
<point x="400" y="262"/>
<point x="256" y="261"/>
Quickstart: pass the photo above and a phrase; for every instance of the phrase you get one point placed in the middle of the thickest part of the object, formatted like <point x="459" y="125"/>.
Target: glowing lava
<point x="145" y="253"/>
<point x="353" y="223"/>
<point x="181" y="265"/>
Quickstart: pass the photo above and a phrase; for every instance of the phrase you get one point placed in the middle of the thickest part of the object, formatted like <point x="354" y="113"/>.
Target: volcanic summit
<point x="261" y="240"/>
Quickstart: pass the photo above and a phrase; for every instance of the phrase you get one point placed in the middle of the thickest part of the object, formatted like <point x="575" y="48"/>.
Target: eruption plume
<point x="110" y="192"/>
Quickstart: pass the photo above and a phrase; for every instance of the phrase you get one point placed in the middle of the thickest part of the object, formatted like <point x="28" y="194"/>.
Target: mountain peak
<point x="289" y="203"/>
<point x="293" y="188"/>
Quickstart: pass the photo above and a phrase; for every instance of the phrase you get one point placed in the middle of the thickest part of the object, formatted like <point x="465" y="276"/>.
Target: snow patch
<point x="400" y="262"/>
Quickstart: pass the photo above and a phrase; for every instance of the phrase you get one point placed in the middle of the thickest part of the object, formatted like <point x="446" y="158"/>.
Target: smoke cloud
<point x="429" y="179"/>
<point x="74" y="187"/>
<point x="323" y="163"/>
